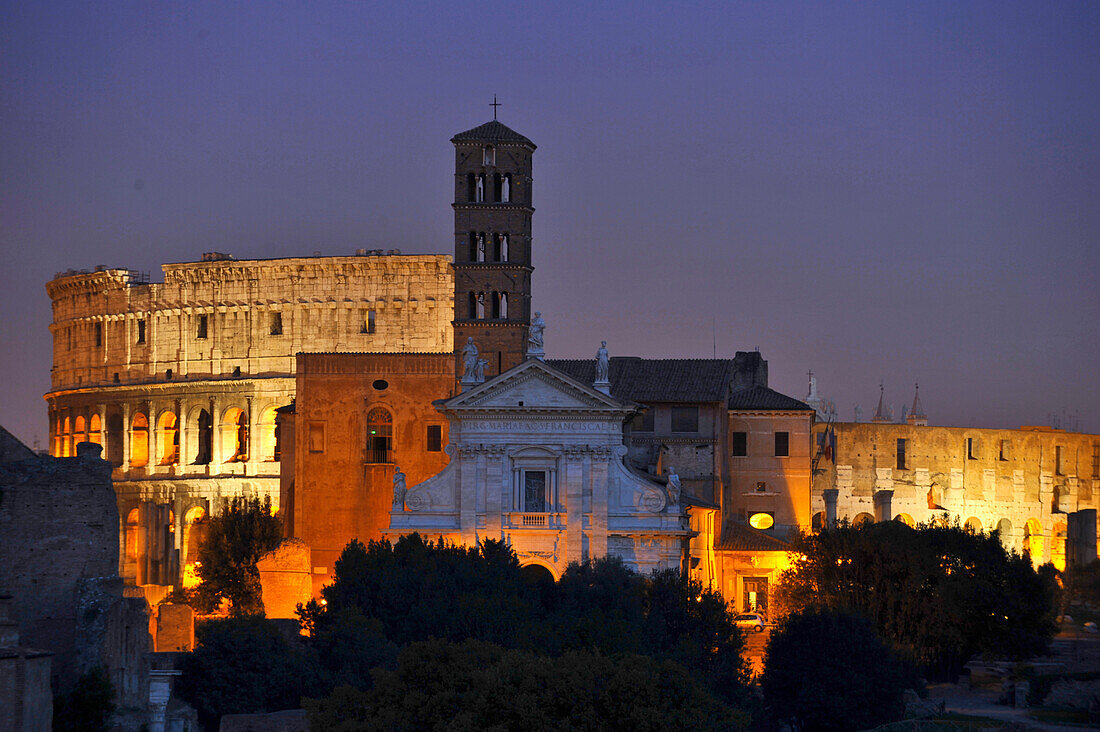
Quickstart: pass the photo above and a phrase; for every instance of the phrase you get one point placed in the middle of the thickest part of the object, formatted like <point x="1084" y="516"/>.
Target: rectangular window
<point x="435" y="438"/>
<point x="740" y="444"/>
<point x="1096" y="461"/>
<point x="761" y="487"/>
<point x="1059" y="460"/>
<point x="1004" y="451"/>
<point x="782" y="444"/>
<point x="534" y="491"/>
<point x="99" y="334"/>
<point x="368" y="324"/>
<point x="901" y="454"/>
<point x="141" y="331"/>
<point x="971" y="448"/>
<point x="685" y="419"/>
<point x="643" y="422"/>
<point x="203" y="321"/>
<point x="276" y="324"/>
<point x="316" y="437"/>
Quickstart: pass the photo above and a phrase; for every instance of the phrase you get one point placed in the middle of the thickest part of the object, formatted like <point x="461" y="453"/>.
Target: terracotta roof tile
<point x="657" y="380"/>
<point x="761" y="397"/>
<point x="737" y="537"/>
<point x="492" y="132"/>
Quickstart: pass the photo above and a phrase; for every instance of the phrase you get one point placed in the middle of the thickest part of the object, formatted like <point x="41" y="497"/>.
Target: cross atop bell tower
<point x="492" y="261"/>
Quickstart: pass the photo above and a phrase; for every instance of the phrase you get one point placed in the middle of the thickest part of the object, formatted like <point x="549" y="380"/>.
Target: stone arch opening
<point x="189" y="547"/>
<point x="537" y="573"/>
<point x="168" y="439"/>
<point x="1033" y="540"/>
<point x="1004" y="531"/>
<point x="204" y="437"/>
<point x="906" y="519"/>
<point x="817" y="521"/>
<point x="80" y="432"/>
<point x="95" y="430"/>
<point x="863" y="518"/>
<point x="114" y="439"/>
<point x="973" y="525"/>
<point x="1058" y="534"/>
<point x="506" y="188"/>
<point x="67" y="438"/>
<point x="235" y="435"/>
<point x="139" y="441"/>
<point x="268" y="441"/>
<point x="131" y="539"/>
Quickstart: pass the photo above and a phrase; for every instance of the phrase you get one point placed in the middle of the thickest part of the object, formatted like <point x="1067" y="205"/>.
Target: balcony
<point x="550" y="521"/>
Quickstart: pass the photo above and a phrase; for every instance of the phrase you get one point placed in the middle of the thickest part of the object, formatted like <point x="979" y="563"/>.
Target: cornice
<point x="121" y="390"/>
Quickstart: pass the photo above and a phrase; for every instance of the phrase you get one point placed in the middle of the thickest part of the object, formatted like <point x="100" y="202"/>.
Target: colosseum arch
<point x="131" y="539"/>
<point x="67" y="438"/>
<point x="1004" y="531"/>
<point x="139" y="441"/>
<point x="234" y="434"/>
<point x="906" y="519"/>
<point x="115" y="429"/>
<point x="863" y="518"/>
<point x="189" y="546"/>
<point x="973" y="525"/>
<point x="168" y="439"/>
<point x="1033" y="540"/>
<point x="95" y="430"/>
<point x="80" y="433"/>
<point x="268" y="442"/>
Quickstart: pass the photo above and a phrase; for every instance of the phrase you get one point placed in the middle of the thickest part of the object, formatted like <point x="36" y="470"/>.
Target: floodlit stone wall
<point x="1027" y="482"/>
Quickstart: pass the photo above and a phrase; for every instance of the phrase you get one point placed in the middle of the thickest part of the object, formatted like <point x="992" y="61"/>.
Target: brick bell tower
<point x="492" y="262"/>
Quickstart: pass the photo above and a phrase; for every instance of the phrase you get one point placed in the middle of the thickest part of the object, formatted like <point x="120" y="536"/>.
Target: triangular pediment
<point x="534" y="385"/>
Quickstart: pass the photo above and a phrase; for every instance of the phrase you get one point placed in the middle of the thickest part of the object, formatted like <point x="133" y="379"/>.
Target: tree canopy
<point x="830" y="670"/>
<point x="940" y="593"/>
<point x="477" y="685"/>
<point x="233" y="542"/>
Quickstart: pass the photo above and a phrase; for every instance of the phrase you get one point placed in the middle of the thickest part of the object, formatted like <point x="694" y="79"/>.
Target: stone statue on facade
<point x="603" y="364"/>
<point x="534" y="337"/>
<point x="399" y="489"/>
<point x="469" y="361"/>
<point x="674" y="487"/>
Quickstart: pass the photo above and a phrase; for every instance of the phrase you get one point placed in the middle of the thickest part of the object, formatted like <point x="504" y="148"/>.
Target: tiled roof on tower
<point x="492" y="131"/>
<point x="763" y="398"/>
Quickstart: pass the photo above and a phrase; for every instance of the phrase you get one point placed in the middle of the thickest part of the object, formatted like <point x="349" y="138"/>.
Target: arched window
<point x="494" y="300"/>
<point x="168" y="438"/>
<point x="267" y="435"/>
<point x="79" y="435"/>
<point x="205" y="432"/>
<point x="189" y="549"/>
<point x="235" y="436"/>
<point x="473" y="306"/>
<point x="1033" y="540"/>
<point x="95" y="430"/>
<point x="471" y="187"/>
<point x="379" y="436"/>
<point x="139" y="441"/>
<point x="489" y="155"/>
<point x="504" y="305"/>
<point x="473" y="246"/>
<point x="496" y="188"/>
<point x="479" y="191"/>
<point x="481" y="247"/>
<point x="481" y="306"/>
<point x="67" y="438"/>
<point x="503" y="254"/>
<point x="132" y="535"/>
<point x="114" y="439"/>
<point x="506" y="189"/>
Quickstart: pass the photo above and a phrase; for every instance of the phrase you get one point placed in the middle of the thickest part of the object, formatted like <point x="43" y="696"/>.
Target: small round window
<point x="381" y="384"/>
<point x="762" y="521"/>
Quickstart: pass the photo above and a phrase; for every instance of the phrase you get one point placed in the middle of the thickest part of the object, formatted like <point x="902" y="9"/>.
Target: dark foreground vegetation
<point x="422" y="635"/>
<point x="414" y="635"/>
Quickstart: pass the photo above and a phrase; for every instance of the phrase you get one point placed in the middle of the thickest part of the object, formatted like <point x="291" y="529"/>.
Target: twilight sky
<point x="876" y="191"/>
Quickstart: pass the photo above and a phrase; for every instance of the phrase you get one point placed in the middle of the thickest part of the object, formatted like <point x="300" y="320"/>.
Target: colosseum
<point x="180" y="381"/>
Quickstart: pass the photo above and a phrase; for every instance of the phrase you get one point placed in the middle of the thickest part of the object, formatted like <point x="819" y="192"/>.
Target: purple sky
<point x="876" y="191"/>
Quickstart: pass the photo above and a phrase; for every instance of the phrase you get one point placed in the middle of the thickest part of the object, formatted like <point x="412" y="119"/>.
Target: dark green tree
<point x="827" y="670"/>
<point x="233" y="541"/>
<point x="88" y="706"/>
<point x="941" y="594"/>
<point x="476" y="685"/>
<point x="243" y="665"/>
